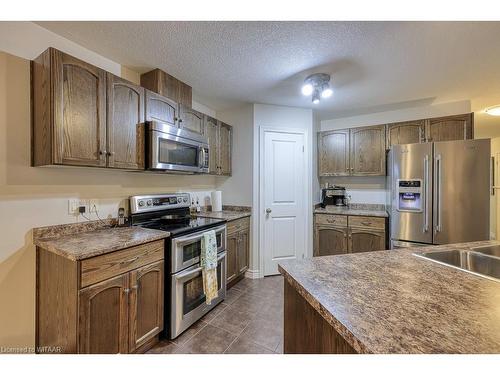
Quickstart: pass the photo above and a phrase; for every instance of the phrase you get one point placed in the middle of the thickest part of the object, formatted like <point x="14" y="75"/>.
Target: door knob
<point x="268" y="211"/>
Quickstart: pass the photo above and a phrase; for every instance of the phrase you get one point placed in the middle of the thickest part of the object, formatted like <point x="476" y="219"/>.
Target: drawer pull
<point x="366" y="223"/>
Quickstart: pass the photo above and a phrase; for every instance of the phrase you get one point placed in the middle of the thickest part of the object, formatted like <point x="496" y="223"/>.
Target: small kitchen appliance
<point x="333" y="196"/>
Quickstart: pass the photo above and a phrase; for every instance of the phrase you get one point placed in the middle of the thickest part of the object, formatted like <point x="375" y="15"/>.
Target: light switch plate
<point x="73" y="205"/>
<point x="93" y="205"/>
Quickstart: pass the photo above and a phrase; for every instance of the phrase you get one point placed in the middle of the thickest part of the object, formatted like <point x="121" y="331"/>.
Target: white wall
<point x="281" y="117"/>
<point x="406" y="114"/>
<point x="33" y="197"/>
<point x="238" y="189"/>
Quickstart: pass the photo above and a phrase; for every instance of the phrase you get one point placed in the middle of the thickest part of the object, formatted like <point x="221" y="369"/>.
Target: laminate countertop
<point x="394" y="302"/>
<point x="79" y="246"/>
<point x="355" y="209"/>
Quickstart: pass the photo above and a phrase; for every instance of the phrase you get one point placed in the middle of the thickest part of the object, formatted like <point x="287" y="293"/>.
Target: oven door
<point x="186" y="250"/>
<point x="188" y="299"/>
<point x="172" y="152"/>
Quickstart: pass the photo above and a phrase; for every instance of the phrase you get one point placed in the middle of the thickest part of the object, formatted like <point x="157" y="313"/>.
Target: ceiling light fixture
<point x="493" y="111"/>
<point x="317" y="85"/>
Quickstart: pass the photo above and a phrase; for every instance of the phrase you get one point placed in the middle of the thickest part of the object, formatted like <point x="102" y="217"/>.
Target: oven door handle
<point x="186" y="275"/>
<point x="194" y="237"/>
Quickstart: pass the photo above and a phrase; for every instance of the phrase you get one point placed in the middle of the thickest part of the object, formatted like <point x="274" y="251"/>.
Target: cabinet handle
<point x="135" y="287"/>
<point x="110" y="153"/>
<point x="126" y="291"/>
<point x="103" y="152"/>
<point x="180" y="120"/>
<point x="367" y="223"/>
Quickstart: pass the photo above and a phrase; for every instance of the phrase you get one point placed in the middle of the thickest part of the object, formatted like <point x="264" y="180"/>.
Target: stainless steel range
<point x="184" y="297"/>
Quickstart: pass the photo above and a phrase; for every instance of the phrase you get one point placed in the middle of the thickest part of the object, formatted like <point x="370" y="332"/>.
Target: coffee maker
<point x="333" y="196"/>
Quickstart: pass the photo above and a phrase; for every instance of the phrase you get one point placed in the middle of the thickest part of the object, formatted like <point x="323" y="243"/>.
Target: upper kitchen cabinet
<point x="367" y="146"/>
<point x="220" y="142"/>
<point x="333" y="153"/>
<point x="450" y="128"/>
<point x="125" y="124"/>
<point x="69" y="111"/>
<point x="168" y="86"/>
<point x="225" y="148"/>
<point x="162" y="109"/>
<point x="405" y="132"/>
<point x="212" y="134"/>
<point x="191" y="120"/>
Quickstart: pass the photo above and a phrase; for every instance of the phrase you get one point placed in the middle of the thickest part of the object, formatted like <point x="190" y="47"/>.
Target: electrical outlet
<point x="93" y="205"/>
<point x="74" y="206"/>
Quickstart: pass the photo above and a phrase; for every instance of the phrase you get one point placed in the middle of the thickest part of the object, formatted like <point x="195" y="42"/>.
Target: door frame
<point x="259" y="197"/>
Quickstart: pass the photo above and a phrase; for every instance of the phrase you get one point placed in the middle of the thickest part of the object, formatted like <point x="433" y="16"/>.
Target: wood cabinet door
<point x="125" y="124"/>
<point x="191" y="120"/>
<point x="368" y="151"/>
<point x="226" y="139"/>
<point x="79" y="102"/>
<point x="333" y="153"/>
<point x="330" y="240"/>
<point x="159" y="108"/>
<point x="103" y="318"/>
<point x="244" y="251"/>
<point x="146" y="304"/>
<point x="450" y="128"/>
<point x="212" y="134"/>
<point x="401" y="133"/>
<point x="232" y="256"/>
<point x="363" y="240"/>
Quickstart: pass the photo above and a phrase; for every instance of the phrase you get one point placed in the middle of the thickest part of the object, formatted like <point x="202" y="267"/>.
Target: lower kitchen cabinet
<point x="231" y="257"/>
<point x="330" y="240"/>
<point x="111" y="303"/>
<point x="337" y="234"/>
<point x="238" y="250"/>
<point x="104" y="317"/>
<point x="362" y="240"/>
<point x="146" y="304"/>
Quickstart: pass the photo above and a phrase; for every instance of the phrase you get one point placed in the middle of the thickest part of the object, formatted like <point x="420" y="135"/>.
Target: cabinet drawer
<point x="103" y="267"/>
<point x="367" y="222"/>
<point x="237" y="225"/>
<point x="339" y="220"/>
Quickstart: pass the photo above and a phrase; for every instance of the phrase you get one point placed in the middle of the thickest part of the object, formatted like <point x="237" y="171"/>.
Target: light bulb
<point x="307" y="89"/>
<point x="326" y="93"/>
<point x="315" y="97"/>
<point x="493" y="111"/>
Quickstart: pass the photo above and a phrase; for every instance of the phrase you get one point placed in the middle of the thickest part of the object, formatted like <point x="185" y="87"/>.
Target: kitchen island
<point x="388" y="302"/>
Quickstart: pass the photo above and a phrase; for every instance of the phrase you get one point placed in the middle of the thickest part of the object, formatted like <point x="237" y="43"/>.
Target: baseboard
<point x="252" y="274"/>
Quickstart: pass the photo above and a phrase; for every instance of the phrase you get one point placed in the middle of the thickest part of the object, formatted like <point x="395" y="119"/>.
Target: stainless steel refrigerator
<point x="439" y="192"/>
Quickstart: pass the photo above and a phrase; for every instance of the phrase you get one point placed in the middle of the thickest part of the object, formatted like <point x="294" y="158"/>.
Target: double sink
<point x="482" y="261"/>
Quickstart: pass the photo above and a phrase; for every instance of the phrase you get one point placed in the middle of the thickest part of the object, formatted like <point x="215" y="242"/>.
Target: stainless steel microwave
<point x="172" y="149"/>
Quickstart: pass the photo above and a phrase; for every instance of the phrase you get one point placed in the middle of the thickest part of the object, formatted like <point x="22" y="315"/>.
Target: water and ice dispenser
<point x="410" y="195"/>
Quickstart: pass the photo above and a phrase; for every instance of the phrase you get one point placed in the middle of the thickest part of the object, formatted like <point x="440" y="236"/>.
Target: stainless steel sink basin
<point x="480" y="263"/>
<point x="488" y="250"/>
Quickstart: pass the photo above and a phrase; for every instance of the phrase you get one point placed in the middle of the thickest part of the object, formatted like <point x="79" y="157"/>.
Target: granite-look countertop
<point x="354" y="209"/>
<point x="228" y="213"/>
<point x="84" y="245"/>
<point x="394" y="302"/>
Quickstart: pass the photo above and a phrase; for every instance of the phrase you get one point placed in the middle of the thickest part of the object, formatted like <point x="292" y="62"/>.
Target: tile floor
<point x="249" y="321"/>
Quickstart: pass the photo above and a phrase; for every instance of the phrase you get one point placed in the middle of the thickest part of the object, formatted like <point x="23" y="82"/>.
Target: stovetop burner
<point x="184" y="226"/>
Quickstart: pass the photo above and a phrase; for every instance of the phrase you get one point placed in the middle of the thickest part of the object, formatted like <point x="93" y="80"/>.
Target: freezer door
<point x="411" y="220"/>
<point x="461" y="191"/>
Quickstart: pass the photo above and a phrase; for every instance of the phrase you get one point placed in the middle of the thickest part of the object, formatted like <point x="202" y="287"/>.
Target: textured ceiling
<point x="375" y="66"/>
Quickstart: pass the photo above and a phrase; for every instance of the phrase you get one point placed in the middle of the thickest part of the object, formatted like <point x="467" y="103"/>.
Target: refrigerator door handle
<point x="438" y="192"/>
<point x="426" y="193"/>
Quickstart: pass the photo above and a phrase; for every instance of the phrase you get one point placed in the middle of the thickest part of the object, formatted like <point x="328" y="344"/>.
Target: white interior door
<point x="284" y="187"/>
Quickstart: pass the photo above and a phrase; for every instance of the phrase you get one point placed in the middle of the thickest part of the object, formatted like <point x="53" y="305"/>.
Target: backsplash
<point x="361" y="189"/>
